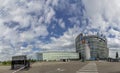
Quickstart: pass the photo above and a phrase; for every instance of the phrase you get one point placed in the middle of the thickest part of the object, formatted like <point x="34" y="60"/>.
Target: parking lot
<point x="68" y="67"/>
<point x="5" y="69"/>
<point x="55" y="67"/>
<point x="108" y="67"/>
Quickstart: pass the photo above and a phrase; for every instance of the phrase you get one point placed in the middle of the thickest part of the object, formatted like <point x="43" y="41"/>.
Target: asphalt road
<point x="108" y="67"/>
<point x="5" y="69"/>
<point x="55" y="67"/>
<point x="69" y="67"/>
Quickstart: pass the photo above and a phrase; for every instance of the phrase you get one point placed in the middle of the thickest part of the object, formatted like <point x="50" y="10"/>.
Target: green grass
<point x="5" y="63"/>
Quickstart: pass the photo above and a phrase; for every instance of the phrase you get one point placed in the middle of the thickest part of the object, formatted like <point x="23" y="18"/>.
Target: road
<point x="89" y="68"/>
<point x="108" y="67"/>
<point x="5" y="69"/>
<point x="55" y="67"/>
<point x="69" y="67"/>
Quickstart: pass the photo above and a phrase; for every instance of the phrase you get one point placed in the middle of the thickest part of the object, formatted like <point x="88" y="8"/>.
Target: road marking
<point x="59" y="69"/>
<point x="89" y="68"/>
<point x="56" y="70"/>
<point x="19" y="69"/>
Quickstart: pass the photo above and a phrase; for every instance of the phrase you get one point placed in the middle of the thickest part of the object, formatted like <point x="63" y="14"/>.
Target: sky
<point x="31" y="26"/>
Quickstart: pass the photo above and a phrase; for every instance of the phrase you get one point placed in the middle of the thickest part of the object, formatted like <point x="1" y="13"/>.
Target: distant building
<point x="91" y="46"/>
<point x="56" y="56"/>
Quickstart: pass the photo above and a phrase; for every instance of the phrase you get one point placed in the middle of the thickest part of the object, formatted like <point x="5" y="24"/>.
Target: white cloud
<point x="66" y="42"/>
<point x="32" y="19"/>
<point x="61" y="23"/>
<point x="23" y="21"/>
<point x="104" y="16"/>
<point x="49" y="15"/>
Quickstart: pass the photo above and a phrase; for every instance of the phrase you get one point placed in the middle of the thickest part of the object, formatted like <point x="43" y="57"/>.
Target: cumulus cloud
<point x="104" y="17"/>
<point x="26" y="23"/>
<point x="66" y="42"/>
<point x="61" y="23"/>
<point x="23" y="21"/>
<point x="25" y="26"/>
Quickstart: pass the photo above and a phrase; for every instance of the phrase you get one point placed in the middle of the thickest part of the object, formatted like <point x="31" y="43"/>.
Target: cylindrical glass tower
<point x="96" y="43"/>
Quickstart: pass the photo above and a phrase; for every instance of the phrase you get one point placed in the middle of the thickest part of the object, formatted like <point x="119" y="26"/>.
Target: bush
<point x="6" y="62"/>
<point x="31" y="60"/>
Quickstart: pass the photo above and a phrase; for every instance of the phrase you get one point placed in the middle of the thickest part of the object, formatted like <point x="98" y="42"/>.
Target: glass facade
<point x="57" y="56"/>
<point x="97" y="45"/>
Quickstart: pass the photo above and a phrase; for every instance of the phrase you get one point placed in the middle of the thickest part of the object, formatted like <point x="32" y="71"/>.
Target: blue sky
<point x="30" y="26"/>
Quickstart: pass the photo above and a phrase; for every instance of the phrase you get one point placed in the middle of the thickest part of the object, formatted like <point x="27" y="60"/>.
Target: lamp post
<point x="117" y="56"/>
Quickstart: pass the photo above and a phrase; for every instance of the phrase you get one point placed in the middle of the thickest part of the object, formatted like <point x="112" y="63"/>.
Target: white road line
<point x="56" y="70"/>
<point x="59" y="69"/>
<point x="89" y="68"/>
<point x="19" y="69"/>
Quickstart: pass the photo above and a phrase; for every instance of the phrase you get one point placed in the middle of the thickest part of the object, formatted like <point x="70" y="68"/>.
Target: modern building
<point x="56" y="56"/>
<point x="91" y="46"/>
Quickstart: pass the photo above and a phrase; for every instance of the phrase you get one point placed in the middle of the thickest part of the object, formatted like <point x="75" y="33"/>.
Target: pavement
<point x="5" y="69"/>
<point x="69" y="67"/>
<point x="108" y="67"/>
<point x="55" y="67"/>
<point x="89" y="68"/>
